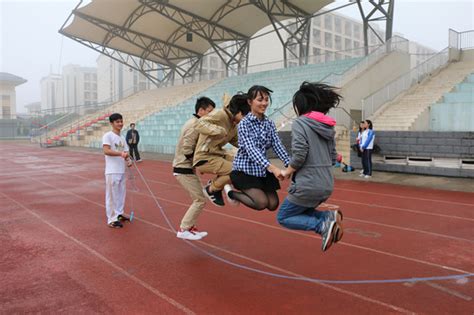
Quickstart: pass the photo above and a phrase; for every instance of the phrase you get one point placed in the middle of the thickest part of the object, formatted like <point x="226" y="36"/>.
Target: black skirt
<point x="242" y="181"/>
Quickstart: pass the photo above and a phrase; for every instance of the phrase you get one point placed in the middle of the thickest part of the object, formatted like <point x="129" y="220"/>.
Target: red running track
<point x="58" y="255"/>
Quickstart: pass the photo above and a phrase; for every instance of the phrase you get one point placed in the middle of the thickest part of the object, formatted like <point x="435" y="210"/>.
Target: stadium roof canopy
<point x="152" y="35"/>
<point x="158" y="30"/>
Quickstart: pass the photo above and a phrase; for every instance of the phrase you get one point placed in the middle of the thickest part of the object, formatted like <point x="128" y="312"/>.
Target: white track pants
<point x="115" y="191"/>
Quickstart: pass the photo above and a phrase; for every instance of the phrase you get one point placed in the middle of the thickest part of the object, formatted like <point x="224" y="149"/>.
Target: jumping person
<point x="252" y="173"/>
<point x="314" y="153"/>
<point x="185" y="173"/>
<point x="215" y="131"/>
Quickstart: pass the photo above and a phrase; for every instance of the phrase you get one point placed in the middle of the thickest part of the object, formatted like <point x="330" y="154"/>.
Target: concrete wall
<point x="372" y="80"/>
<point x="452" y="117"/>
<point x="467" y="55"/>
<point x="454" y="145"/>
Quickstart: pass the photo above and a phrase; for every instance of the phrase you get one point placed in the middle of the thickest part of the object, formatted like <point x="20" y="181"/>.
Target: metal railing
<point x="389" y="92"/>
<point x="461" y="40"/>
<point x="284" y="114"/>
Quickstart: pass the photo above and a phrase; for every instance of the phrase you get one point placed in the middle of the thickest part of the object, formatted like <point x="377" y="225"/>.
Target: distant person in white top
<point x="116" y="159"/>
<point x="366" y="147"/>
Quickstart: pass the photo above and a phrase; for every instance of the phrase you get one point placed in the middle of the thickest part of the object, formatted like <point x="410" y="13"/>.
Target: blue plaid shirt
<point x="255" y="138"/>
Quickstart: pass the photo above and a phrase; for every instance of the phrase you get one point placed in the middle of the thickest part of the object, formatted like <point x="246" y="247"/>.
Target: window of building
<point x="328" y="40"/>
<point x="316" y="37"/>
<point x="317" y="21"/>
<point x="213" y="62"/>
<point x="338" y="41"/>
<point x="87" y="86"/>
<point x="316" y="51"/>
<point x="337" y="24"/>
<point x="357" y="31"/>
<point x="348" y="28"/>
<point x="356" y="44"/>
<point x="87" y="76"/>
<point x="328" y="21"/>
<point x="347" y="44"/>
<point x="87" y="95"/>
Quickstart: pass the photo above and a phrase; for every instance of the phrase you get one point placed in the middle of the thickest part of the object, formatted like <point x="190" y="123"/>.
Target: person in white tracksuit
<point x="116" y="159"/>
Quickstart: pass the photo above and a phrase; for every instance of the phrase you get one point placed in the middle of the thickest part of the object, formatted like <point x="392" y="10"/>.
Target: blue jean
<point x="297" y="217"/>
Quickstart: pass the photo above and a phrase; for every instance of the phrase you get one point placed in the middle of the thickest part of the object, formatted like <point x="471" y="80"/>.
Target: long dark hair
<point x="369" y="122"/>
<point x="317" y="97"/>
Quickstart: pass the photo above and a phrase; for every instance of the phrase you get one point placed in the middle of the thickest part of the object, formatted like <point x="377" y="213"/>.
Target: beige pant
<point x="192" y="184"/>
<point x="221" y="167"/>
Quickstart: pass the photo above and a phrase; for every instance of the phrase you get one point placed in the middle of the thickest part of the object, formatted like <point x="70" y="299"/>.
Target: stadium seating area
<point x="159" y="131"/>
<point x="456" y="111"/>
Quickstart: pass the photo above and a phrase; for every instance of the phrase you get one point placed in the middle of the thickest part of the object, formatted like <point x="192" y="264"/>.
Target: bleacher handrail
<point x="390" y="91"/>
<point x="461" y="40"/>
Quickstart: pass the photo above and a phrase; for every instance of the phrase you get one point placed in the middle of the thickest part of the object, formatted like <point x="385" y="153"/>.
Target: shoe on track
<point x="116" y="225"/>
<point x="188" y="235"/>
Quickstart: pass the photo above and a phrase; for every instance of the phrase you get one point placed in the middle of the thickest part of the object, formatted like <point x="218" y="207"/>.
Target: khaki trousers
<point x="192" y="184"/>
<point x="219" y="166"/>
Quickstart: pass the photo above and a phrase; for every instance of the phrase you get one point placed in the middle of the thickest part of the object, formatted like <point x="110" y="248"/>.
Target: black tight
<point x="256" y="198"/>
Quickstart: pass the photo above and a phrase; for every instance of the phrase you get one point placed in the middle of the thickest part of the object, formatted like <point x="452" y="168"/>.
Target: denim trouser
<point x="297" y="217"/>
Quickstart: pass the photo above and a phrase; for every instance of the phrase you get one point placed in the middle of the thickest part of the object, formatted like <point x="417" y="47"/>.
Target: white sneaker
<point x="361" y="172"/>
<point x="361" y="175"/>
<point x="188" y="235"/>
<point x="197" y="232"/>
<point x="367" y="176"/>
<point x="227" y="189"/>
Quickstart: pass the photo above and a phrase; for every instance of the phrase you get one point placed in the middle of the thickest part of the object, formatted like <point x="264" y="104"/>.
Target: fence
<point x="461" y="40"/>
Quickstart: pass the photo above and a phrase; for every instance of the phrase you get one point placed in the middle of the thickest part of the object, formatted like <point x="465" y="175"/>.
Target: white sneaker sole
<point x="195" y="237"/>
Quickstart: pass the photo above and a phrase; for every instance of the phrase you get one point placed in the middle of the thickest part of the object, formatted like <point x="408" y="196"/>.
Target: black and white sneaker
<point x="123" y="218"/>
<point x="328" y="230"/>
<point x="215" y="197"/>
<point x="116" y="225"/>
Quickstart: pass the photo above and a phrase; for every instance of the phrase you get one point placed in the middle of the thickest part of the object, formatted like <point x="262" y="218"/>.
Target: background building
<point x="8" y="82"/>
<point x="52" y="96"/>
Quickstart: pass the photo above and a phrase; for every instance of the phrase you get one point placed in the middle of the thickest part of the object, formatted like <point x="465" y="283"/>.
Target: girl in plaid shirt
<point x="252" y="173"/>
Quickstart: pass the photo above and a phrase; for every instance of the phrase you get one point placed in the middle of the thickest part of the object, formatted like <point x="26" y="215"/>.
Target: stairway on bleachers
<point x="402" y="113"/>
<point x="160" y="131"/>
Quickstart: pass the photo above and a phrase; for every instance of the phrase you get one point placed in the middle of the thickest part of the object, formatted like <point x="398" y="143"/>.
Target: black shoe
<point x="116" y="225"/>
<point x="215" y="197"/>
<point x="123" y="218"/>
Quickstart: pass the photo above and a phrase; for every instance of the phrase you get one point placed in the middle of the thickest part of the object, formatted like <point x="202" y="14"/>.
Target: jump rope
<point x="134" y="188"/>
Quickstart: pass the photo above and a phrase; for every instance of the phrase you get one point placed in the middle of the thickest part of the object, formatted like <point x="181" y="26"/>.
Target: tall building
<point x="80" y="87"/>
<point x="116" y="80"/>
<point x="8" y="82"/>
<point x="52" y="94"/>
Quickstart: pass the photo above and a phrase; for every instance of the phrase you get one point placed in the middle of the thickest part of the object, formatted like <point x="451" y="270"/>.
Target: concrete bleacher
<point x="403" y="112"/>
<point x="456" y="110"/>
<point x="133" y="108"/>
<point x="159" y="132"/>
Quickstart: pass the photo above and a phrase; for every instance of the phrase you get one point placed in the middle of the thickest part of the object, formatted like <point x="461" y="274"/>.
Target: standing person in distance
<point x="133" y="138"/>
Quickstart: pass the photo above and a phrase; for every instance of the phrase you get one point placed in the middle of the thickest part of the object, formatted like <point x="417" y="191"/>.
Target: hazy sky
<point x="30" y="44"/>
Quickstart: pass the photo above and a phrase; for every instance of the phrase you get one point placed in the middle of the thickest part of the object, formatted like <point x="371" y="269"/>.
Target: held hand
<point x="124" y="155"/>
<point x="277" y="172"/>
